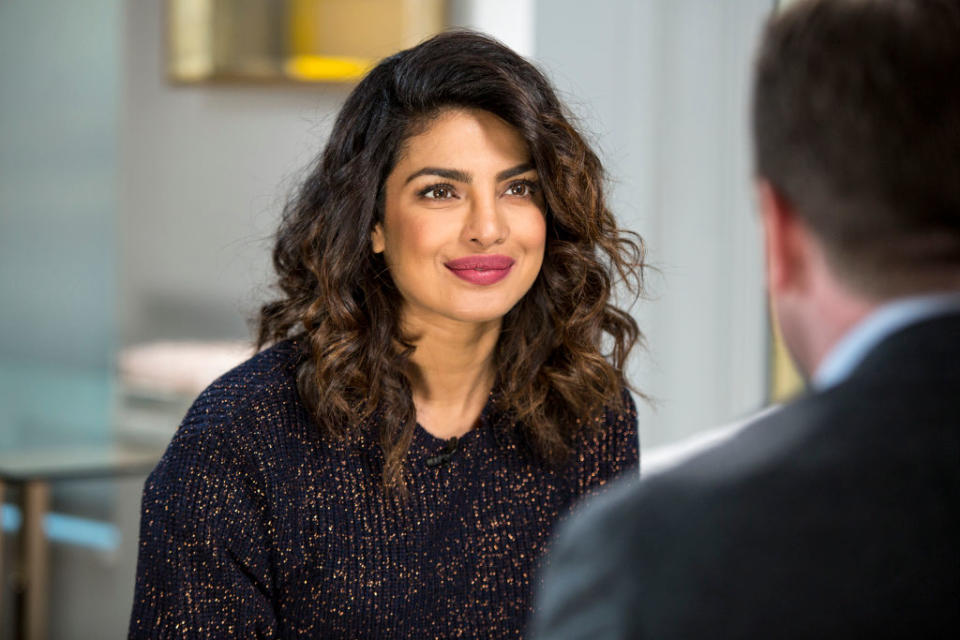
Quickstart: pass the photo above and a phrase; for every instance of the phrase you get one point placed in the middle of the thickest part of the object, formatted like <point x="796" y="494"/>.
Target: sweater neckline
<point x="425" y="442"/>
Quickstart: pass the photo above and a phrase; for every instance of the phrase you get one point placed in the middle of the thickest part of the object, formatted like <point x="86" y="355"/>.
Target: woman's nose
<point x="485" y="225"/>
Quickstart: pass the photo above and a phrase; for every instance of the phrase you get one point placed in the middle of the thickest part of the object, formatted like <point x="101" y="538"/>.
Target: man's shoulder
<point x="753" y="450"/>
<point x="829" y="450"/>
<point x="769" y="448"/>
<point x="821" y="487"/>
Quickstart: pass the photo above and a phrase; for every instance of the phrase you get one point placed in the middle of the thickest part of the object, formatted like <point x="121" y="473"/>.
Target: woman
<point x="437" y="392"/>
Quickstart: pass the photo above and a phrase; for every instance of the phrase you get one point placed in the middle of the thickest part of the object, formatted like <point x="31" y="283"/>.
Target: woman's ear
<point x="377" y="241"/>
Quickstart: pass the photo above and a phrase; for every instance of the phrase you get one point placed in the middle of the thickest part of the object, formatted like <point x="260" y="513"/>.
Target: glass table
<point x="28" y="472"/>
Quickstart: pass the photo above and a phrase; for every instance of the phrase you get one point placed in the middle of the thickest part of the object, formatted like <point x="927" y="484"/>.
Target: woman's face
<point x="464" y="227"/>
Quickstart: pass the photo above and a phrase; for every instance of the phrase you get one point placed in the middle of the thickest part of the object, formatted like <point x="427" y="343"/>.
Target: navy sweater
<point x="254" y="525"/>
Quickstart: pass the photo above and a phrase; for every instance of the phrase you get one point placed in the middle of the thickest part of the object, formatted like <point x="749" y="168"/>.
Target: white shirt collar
<point x="887" y="319"/>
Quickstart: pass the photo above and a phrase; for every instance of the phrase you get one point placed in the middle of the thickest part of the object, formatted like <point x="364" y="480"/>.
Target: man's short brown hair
<point x="856" y="121"/>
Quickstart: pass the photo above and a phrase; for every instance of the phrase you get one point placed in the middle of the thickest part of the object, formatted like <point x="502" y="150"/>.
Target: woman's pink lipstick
<point x="481" y="269"/>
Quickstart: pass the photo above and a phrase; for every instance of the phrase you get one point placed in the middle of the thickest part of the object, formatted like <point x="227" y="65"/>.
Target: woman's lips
<point x="481" y="269"/>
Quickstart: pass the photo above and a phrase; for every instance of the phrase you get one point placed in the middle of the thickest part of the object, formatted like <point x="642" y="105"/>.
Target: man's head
<point x="856" y="125"/>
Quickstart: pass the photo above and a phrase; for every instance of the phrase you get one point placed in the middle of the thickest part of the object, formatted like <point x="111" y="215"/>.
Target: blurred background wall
<point x="205" y="172"/>
<point x="133" y="210"/>
<point x="60" y="70"/>
<point x="664" y="87"/>
<point x="60" y="76"/>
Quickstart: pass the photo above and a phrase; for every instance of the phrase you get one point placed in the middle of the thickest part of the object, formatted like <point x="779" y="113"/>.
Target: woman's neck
<point x="453" y="374"/>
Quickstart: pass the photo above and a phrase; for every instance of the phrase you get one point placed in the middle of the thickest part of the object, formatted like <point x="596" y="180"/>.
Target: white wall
<point x="512" y="22"/>
<point x="663" y="85"/>
<point x="205" y="172"/>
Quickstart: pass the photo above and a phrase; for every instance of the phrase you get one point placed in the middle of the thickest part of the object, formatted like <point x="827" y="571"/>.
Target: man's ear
<point x="377" y="241"/>
<point x="784" y="238"/>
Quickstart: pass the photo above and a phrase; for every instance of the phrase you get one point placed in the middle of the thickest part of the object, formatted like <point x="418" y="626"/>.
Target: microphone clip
<point x="449" y="449"/>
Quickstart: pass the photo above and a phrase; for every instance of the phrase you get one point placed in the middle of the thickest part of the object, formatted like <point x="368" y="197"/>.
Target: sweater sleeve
<point x="204" y="566"/>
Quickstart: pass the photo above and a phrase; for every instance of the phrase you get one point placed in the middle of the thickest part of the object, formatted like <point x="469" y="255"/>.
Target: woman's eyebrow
<point x="514" y="171"/>
<point x="449" y="174"/>
<point x="463" y="176"/>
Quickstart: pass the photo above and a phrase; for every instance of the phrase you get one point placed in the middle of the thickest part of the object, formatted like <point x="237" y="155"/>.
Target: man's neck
<point x="833" y="318"/>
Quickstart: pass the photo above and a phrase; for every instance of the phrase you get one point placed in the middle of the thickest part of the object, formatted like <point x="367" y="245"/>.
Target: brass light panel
<point x="291" y="40"/>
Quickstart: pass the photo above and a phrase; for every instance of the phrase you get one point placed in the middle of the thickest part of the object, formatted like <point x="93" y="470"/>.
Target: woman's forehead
<point x="460" y="138"/>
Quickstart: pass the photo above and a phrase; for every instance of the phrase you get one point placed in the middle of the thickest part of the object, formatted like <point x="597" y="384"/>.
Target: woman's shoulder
<point x="239" y="424"/>
<point x="254" y="390"/>
<point x="609" y="446"/>
<point x="617" y="419"/>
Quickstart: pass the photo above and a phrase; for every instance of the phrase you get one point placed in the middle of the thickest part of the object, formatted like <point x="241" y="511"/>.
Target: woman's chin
<point x="483" y="315"/>
<point x="477" y="313"/>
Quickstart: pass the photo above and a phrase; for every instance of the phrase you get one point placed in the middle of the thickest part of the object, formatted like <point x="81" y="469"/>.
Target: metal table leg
<point x="3" y="574"/>
<point x="34" y="569"/>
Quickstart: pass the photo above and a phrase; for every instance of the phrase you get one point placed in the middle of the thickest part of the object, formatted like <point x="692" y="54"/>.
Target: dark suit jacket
<point x="836" y="517"/>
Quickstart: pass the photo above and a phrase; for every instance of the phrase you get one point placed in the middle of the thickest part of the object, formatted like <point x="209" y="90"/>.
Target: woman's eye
<point x="437" y="192"/>
<point x="521" y="189"/>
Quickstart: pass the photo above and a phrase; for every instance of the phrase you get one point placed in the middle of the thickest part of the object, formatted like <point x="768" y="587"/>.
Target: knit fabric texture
<point x="255" y="525"/>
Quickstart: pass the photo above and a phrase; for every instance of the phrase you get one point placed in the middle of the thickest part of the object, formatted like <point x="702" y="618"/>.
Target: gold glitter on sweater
<point x="255" y="526"/>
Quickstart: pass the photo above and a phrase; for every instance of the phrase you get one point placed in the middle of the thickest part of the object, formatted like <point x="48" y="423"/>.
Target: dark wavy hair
<point x="561" y="353"/>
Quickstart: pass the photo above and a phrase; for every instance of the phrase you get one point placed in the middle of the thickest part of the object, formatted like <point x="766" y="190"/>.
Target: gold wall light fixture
<point x="291" y="40"/>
